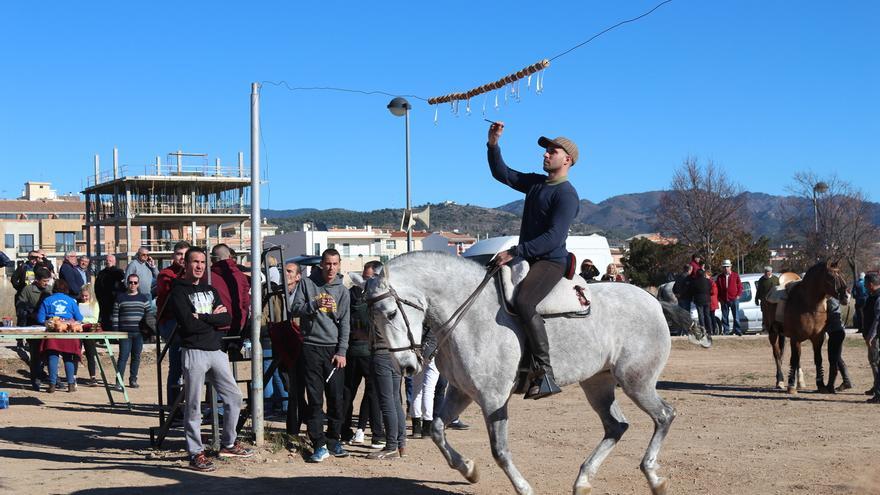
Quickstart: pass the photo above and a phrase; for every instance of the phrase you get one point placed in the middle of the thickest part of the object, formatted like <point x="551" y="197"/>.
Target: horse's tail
<point x="681" y="318"/>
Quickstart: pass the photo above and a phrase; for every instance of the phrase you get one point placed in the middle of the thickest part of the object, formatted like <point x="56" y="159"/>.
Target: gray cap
<point x="768" y="268"/>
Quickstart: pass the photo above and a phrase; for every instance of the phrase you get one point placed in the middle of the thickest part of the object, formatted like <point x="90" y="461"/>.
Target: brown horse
<point x="772" y="323"/>
<point x="805" y="316"/>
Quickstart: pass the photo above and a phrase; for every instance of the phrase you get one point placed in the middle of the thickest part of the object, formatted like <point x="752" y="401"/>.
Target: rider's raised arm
<point x="504" y="174"/>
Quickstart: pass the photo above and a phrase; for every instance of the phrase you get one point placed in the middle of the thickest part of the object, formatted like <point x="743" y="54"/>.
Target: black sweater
<point x="548" y="211"/>
<point x="187" y="298"/>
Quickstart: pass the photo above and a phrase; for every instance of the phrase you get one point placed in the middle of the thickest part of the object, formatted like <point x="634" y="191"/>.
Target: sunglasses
<point x="132" y="283"/>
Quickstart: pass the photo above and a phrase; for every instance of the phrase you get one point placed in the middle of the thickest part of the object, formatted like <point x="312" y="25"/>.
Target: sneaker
<point x="116" y="388"/>
<point x="377" y="444"/>
<point x="338" y="451"/>
<point x="320" y="454"/>
<point x="384" y="454"/>
<point x="237" y="450"/>
<point x="200" y="462"/>
<point x="91" y="382"/>
<point x="358" y="438"/>
<point x="458" y="425"/>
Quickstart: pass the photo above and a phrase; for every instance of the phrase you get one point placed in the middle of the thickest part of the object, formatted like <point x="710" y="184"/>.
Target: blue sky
<point x="764" y="89"/>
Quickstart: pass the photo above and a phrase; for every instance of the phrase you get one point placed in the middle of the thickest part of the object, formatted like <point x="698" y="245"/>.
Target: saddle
<point x="779" y="294"/>
<point x="568" y="298"/>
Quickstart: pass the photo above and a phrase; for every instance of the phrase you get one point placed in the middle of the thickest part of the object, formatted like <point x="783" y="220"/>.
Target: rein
<point x="445" y="330"/>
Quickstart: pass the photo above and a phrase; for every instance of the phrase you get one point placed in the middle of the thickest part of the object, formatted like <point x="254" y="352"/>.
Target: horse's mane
<point x="435" y="262"/>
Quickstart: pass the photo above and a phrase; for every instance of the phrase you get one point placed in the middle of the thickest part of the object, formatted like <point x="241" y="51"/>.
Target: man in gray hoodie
<point x="322" y="303"/>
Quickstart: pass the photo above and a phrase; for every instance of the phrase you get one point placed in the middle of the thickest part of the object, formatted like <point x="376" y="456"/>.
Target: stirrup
<point x="542" y="386"/>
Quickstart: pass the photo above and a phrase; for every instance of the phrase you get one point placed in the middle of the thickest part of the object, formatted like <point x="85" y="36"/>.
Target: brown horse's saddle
<point x="779" y="294"/>
<point x="568" y="298"/>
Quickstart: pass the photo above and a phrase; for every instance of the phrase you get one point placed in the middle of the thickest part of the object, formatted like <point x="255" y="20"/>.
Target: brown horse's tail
<point x="681" y="318"/>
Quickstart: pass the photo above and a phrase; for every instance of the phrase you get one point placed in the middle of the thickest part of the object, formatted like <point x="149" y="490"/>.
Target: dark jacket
<point x="163" y="288"/>
<point x="591" y="274"/>
<point x="548" y="211"/>
<point x="359" y="336"/>
<point x="682" y="287"/>
<point x="701" y="291"/>
<point x="70" y="275"/>
<point x="26" y="303"/>
<point x="869" y="315"/>
<point x="235" y="293"/>
<point x="197" y="333"/>
<point x="107" y="284"/>
<point x="23" y="276"/>
<point x="319" y="326"/>
<point x="763" y="286"/>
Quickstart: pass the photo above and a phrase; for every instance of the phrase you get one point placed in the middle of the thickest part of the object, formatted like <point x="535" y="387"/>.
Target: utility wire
<point x="566" y="52"/>
<point x="621" y="23"/>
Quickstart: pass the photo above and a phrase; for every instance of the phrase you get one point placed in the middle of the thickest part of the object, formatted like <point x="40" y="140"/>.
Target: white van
<point x="749" y="314"/>
<point x="593" y="247"/>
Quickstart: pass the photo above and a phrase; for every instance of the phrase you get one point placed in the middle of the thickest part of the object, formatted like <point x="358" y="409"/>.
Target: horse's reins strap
<point x="446" y="329"/>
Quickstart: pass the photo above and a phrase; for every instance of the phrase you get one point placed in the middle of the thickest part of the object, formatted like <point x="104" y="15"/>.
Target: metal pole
<point x="256" y="293"/>
<point x="408" y="208"/>
<point x="815" y="211"/>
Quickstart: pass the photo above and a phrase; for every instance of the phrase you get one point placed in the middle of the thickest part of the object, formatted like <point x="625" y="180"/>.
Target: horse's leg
<point x="496" y="424"/>
<point x="453" y="405"/>
<point x="600" y="393"/>
<point x="777" y="344"/>
<point x="817" y="341"/>
<point x="644" y="394"/>
<point x="794" y="367"/>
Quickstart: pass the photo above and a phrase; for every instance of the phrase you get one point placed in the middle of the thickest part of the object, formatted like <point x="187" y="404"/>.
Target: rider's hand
<point x="502" y="258"/>
<point x="495" y="131"/>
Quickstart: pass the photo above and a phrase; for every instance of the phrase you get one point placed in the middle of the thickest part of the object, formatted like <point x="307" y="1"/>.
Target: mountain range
<point x="617" y="217"/>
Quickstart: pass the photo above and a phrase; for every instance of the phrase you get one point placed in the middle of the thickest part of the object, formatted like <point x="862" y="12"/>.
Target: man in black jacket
<point x="196" y="307"/>
<point x="108" y="283"/>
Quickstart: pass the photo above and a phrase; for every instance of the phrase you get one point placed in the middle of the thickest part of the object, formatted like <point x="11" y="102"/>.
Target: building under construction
<point x="185" y="198"/>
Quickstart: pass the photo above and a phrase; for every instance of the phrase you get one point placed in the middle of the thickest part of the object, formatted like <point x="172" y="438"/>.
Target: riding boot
<point x="543" y="383"/>
<point x="847" y="383"/>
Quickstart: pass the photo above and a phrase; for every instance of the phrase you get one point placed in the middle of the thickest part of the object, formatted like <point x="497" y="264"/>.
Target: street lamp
<point x="818" y="188"/>
<point x="399" y="107"/>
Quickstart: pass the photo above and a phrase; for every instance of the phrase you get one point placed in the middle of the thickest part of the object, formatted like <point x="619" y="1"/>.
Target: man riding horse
<point x="550" y="207"/>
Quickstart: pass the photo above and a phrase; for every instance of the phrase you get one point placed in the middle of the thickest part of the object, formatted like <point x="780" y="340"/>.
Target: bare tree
<point x="831" y="220"/>
<point x="703" y="209"/>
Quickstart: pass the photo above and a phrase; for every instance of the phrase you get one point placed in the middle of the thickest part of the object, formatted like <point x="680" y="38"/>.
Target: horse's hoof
<point x="661" y="487"/>
<point x="792" y="391"/>
<point x="583" y="490"/>
<point x="780" y="385"/>
<point x="470" y="472"/>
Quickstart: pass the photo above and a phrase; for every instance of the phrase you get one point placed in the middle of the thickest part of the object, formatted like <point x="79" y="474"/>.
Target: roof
<point x="41" y="206"/>
<point x="455" y="236"/>
<point x="417" y="234"/>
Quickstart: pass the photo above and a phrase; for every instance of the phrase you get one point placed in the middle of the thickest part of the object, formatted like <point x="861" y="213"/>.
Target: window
<point x="80" y="235"/>
<point x="9" y="240"/>
<point x="346" y="249"/>
<point x="317" y="249"/>
<point x="65" y="241"/>
<point x="25" y="243"/>
<point x="390" y="244"/>
<point x="69" y="216"/>
<point x="747" y="292"/>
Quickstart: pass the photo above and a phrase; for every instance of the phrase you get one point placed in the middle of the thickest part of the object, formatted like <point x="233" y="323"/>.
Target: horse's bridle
<point x="400" y="303"/>
<point x="445" y="330"/>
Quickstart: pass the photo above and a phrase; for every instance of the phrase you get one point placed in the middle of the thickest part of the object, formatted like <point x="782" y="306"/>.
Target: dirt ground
<point x="734" y="434"/>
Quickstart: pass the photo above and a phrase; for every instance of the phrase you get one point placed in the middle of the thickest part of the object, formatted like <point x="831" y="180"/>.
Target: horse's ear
<point x="357" y="279"/>
<point x="385" y="277"/>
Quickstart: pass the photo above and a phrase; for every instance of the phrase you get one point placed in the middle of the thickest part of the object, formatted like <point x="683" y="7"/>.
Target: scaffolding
<point x="184" y="191"/>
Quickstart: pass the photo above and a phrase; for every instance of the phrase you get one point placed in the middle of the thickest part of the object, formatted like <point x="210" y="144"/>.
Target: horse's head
<point x="832" y="282"/>
<point x="398" y="318"/>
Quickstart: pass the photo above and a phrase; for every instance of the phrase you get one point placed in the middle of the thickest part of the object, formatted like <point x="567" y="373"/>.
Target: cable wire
<point x="621" y="23"/>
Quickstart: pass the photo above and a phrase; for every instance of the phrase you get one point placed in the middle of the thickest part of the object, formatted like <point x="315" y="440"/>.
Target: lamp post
<point x="399" y="107"/>
<point x="818" y="188"/>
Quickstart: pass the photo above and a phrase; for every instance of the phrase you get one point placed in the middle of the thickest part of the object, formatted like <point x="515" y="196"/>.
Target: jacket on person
<point x="320" y="326"/>
<point x="763" y="286"/>
<point x="26" y="303"/>
<point x="23" y="276"/>
<point x="682" y="287"/>
<point x="729" y="287"/>
<point x="235" y="293"/>
<point x="359" y="336"/>
<point x="701" y="291"/>
<point x="860" y="292"/>
<point x="70" y="275"/>
<point x="163" y="289"/>
<point x="60" y="305"/>
<point x="146" y="275"/>
<point x="713" y="302"/>
<point x="548" y="211"/>
<point x="201" y="299"/>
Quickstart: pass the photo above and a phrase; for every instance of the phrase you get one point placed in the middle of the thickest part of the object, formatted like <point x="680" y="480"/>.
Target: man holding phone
<point x="145" y="268"/>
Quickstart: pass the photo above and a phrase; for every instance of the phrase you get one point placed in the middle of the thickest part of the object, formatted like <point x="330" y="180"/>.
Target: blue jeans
<point x="387" y="382"/>
<point x="175" y="368"/>
<point x="274" y="390"/>
<point x="132" y="346"/>
<point x="69" y="366"/>
<point x="732" y="306"/>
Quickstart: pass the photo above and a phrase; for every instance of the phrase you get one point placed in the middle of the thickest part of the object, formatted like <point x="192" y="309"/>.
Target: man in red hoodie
<point x="729" y="289"/>
<point x="233" y="286"/>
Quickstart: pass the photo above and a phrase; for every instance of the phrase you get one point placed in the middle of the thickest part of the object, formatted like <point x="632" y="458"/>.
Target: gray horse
<point x="624" y="341"/>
